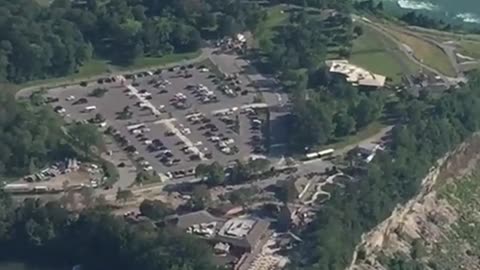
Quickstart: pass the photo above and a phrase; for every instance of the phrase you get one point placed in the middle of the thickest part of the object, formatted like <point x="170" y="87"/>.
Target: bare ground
<point x="428" y="217"/>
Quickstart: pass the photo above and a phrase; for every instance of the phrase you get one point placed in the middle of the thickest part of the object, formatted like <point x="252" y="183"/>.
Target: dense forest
<point x="431" y="128"/>
<point x="38" y="42"/>
<point x="48" y="234"/>
<point x="30" y="137"/>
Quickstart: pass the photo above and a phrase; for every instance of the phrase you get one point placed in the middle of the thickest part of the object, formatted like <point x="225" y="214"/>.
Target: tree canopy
<point x="30" y="137"/>
<point x="37" y="42"/>
<point x="393" y="177"/>
<point x="36" y="232"/>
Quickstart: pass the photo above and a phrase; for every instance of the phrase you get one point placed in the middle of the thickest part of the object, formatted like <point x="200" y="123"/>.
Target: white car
<point x="70" y="98"/>
<point x="204" y="70"/>
<point x="226" y="150"/>
<point x="214" y="139"/>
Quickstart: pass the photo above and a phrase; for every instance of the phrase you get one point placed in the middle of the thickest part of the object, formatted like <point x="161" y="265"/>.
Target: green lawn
<point x="97" y="67"/>
<point x="470" y="48"/>
<point x="430" y="54"/>
<point x="375" y="52"/>
<point x="158" y="61"/>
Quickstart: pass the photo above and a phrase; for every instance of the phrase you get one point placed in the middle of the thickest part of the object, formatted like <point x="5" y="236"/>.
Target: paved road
<point x="127" y="174"/>
<point x="26" y="92"/>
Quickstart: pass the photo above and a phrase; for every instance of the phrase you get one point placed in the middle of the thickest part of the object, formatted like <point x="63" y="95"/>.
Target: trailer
<point x="135" y="126"/>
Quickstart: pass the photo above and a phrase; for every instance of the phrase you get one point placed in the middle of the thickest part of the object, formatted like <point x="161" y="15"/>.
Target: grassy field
<point x="97" y="67"/>
<point x="375" y="52"/>
<point x="158" y="61"/>
<point x="430" y="54"/>
<point x="470" y="48"/>
<point x="275" y="17"/>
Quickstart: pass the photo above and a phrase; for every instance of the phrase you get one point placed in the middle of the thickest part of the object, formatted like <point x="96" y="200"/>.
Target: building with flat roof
<point x="241" y="232"/>
<point x="355" y="75"/>
<point x="244" y="233"/>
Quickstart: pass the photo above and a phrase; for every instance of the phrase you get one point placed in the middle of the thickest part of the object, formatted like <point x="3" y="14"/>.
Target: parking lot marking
<point x="243" y="107"/>
<point x="147" y="103"/>
<point x="171" y="127"/>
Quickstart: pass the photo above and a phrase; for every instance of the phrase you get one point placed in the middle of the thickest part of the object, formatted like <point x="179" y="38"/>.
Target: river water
<point x="457" y="10"/>
<point x="20" y="266"/>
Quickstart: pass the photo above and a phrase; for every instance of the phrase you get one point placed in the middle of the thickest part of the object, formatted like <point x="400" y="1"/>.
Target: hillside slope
<point x="437" y="229"/>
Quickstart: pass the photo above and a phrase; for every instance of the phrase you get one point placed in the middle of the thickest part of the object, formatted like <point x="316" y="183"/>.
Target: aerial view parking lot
<point x="170" y="120"/>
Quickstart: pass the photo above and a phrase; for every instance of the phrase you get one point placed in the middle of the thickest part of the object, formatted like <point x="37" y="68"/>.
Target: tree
<point x="227" y="26"/>
<point x="99" y="118"/>
<point x="201" y="197"/>
<point x="345" y="124"/>
<point x="98" y="92"/>
<point x="123" y="195"/>
<point x="259" y="165"/>
<point x="358" y="30"/>
<point x="366" y="111"/>
<point x="240" y="173"/>
<point x="155" y="209"/>
<point x="213" y="173"/>
<point x="47" y="229"/>
<point x="87" y="136"/>
<point x="146" y="177"/>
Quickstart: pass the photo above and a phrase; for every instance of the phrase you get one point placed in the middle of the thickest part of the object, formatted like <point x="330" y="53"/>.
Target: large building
<point x="355" y="75"/>
<point x="236" y="241"/>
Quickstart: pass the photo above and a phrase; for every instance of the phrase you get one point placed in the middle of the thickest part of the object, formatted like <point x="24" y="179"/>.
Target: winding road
<point x="448" y="50"/>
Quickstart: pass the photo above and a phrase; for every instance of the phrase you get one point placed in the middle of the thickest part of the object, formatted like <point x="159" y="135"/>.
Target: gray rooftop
<point x="251" y="238"/>
<point x="199" y="217"/>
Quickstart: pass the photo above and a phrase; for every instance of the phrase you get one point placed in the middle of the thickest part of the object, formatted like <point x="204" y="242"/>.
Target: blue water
<point x="467" y="11"/>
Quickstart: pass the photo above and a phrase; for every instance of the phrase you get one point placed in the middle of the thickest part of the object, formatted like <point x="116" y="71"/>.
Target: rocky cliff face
<point x="437" y="229"/>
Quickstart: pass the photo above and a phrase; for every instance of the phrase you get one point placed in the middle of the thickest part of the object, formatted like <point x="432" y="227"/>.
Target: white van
<point x="90" y="108"/>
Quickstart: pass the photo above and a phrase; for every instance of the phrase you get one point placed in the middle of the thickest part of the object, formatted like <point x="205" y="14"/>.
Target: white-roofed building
<point x="355" y="75"/>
